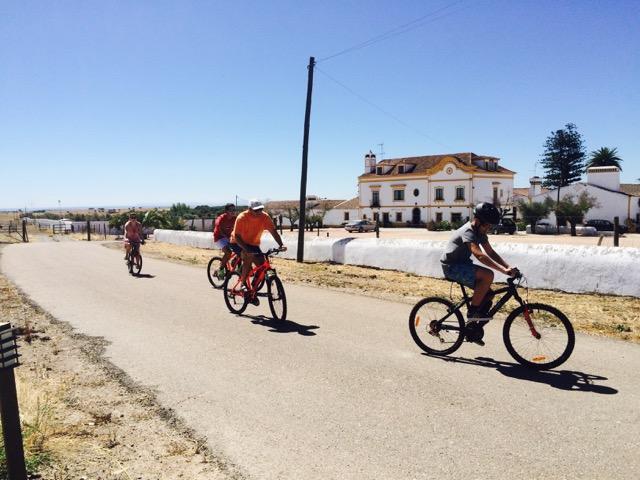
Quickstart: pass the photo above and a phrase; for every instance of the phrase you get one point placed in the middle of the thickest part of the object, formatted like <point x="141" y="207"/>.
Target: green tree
<point x="573" y="211"/>
<point x="293" y="214"/>
<point x="534" y="211"/>
<point x="563" y="158"/>
<point x="604" y="157"/>
<point x="181" y="210"/>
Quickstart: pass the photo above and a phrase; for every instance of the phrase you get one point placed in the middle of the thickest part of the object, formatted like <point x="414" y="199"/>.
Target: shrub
<point x="431" y="225"/>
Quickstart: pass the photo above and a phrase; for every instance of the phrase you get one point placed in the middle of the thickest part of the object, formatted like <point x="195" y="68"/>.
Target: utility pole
<point x="305" y="152"/>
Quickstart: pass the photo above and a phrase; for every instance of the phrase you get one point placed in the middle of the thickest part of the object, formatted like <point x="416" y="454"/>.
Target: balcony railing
<point x="375" y="204"/>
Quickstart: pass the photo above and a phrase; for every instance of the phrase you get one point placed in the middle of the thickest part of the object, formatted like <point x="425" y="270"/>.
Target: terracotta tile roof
<point x="630" y="189"/>
<point x="282" y="205"/>
<point x="352" y="204"/>
<point x="420" y="165"/>
<point x="524" y="191"/>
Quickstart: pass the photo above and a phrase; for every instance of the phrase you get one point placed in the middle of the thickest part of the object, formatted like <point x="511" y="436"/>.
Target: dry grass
<point x="609" y="315"/>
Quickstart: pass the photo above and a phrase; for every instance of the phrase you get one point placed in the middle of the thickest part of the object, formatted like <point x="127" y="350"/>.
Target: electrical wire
<point x="399" y="30"/>
<point x="382" y="110"/>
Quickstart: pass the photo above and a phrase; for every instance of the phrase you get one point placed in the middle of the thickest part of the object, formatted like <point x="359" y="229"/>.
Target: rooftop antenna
<point x="381" y="145"/>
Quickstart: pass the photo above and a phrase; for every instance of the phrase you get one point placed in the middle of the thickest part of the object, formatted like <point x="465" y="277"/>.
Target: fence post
<point x="9" y="404"/>
<point x="616" y="234"/>
<point x="88" y="231"/>
<point x="25" y="237"/>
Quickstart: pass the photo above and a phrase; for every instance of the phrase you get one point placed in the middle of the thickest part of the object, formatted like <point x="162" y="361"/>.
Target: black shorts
<point x="235" y="248"/>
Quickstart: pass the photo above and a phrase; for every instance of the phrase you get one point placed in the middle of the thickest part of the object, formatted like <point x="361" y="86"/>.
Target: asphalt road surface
<point x="340" y="391"/>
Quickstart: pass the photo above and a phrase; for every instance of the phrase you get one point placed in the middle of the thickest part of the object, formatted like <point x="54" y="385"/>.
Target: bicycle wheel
<point x="216" y="281"/>
<point x="277" y="299"/>
<point x="136" y="264"/>
<point x="431" y="335"/>
<point x="545" y="343"/>
<point x="233" y="297"/>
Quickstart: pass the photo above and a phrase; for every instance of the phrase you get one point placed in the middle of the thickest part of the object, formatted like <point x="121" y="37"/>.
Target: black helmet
<point x="487" y="213"/>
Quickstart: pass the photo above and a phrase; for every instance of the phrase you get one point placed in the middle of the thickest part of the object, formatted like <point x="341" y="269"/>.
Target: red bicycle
<point x="218" y="273"/>
<point x="238" y="296"/>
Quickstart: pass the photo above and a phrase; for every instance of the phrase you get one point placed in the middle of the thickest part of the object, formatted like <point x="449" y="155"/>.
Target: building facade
<point x="413" y="191"/>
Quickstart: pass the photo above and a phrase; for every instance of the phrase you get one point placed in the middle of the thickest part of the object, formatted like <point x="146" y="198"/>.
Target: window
<point x="398" y="216"/>
<point x="501" y="193"/>
<point x="439" y="194"/>
<point x="438" y="217"/>
<point x="364" y="217"/>
<point x="378" y="170"/>
<point x="495" y="194"/>
<point x="376" y="215"/>
<point x="456" y="217"/>
<point x="400" y="168"/>
<point x="416" y="192"/>
<point x="346" y="216"/>
<point x="398" y="195"/>
<point x="375" y="198"/>
<point x="459" y="193"/>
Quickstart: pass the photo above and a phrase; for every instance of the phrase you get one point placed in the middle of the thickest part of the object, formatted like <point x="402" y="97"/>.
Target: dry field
<point x="83" y="419"/>
<point x="617" y="317"/>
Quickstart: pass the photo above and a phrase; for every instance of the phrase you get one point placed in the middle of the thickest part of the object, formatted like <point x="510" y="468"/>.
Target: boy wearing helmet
<point x="457" y="266"/>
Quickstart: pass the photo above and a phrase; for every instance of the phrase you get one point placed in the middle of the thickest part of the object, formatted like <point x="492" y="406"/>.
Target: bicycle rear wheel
<point x="234" y="298"/>
<point x="213" y="269"/>
<point x="277" y="299"/>
<point x="545" y="343"/>
<point x="136" y="264"/>
<point x="430" y="332"/>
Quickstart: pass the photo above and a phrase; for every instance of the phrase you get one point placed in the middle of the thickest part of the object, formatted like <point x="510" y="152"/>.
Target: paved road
<point x="340" y="391"/>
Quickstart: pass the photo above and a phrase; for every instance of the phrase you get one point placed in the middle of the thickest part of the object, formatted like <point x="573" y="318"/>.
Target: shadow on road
<point x="561" y="379"/>
<point x="278" y="326"/>
<point x="143" y="275"/>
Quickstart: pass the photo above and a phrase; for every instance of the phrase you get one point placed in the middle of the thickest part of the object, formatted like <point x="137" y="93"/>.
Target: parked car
<point x="543" y="226"/>
<point x="360" y="226"/>
<point x="605" y="226"/>
<point x="506" y="225"/>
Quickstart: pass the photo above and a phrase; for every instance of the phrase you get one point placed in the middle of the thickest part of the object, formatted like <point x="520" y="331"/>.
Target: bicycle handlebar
<point x="273" y="251"/>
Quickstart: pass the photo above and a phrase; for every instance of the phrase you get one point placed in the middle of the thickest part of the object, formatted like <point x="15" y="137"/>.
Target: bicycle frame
<point x="510" y="291"/>
<point x="257" y="275"/>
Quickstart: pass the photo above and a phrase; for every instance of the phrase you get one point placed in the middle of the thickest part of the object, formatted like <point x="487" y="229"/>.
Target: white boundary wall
<point x="569" y="268"/>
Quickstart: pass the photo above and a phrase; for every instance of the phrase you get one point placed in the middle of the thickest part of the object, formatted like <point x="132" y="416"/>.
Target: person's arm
<point x="276" y="236"/>
<point x="216" y="228"/>
<point x="494" y="255"/>
<point x="486" y="259"/>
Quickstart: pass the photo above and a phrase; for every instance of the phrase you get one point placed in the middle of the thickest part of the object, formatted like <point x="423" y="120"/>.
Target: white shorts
<point x="222" y="243"/>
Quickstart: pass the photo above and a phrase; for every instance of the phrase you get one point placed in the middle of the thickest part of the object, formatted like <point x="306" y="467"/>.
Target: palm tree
<point x="604" y="157"/>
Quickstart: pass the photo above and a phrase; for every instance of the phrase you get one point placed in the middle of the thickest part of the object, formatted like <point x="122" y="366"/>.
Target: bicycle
<point x="536" y="335"/>
<point x="237" y="296"/>
<point x="234" y="264"/>
<point x="134" y="258"/>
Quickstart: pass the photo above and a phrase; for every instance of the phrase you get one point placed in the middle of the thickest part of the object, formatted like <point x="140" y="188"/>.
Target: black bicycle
<point x="536" y="335"/>
<point x="134" y="259"/>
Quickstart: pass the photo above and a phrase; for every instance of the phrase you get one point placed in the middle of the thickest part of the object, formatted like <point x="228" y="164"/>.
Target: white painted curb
<point x="567" y="268"/>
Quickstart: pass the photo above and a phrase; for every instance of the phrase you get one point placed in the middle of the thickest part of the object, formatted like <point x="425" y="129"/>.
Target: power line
<point x="407" y="27"/>
<point x="382" y="110"/>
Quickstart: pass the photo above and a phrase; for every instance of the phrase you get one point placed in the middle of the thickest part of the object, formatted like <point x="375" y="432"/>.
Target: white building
<point x="417" y="190"/>
<point x="614" y="199"/>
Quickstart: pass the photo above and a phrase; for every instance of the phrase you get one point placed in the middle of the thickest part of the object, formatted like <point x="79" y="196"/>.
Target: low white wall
<point x="559" y="267"/>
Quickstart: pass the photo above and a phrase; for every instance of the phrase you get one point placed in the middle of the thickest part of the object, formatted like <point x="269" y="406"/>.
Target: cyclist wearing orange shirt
<point x="246" y="235"/>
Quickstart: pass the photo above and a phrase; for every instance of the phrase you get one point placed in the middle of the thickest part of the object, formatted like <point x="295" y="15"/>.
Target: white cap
<point x="255" y="204"/>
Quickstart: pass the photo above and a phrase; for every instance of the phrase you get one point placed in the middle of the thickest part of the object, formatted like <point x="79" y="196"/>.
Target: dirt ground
<point x="609" y="315"/>
<point x="84" y="419"/>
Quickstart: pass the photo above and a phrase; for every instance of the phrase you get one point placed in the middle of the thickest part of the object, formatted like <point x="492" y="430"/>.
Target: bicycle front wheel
<point x="234" y="298"/>
<point x="431" y="331"/>
<point x="538" y="336"/>
<point x="277" y="299"/>
<point x="213" y="273"/>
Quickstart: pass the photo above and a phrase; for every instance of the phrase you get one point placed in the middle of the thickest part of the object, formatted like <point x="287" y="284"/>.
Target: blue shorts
<point x="222" y="243"/>
<point x="464" y="273"/>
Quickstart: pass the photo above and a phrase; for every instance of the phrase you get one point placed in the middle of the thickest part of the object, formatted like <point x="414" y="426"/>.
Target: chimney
<point x="535" y="186"/>
<point x="606" y="177"/>
<point x="370" y="162"/>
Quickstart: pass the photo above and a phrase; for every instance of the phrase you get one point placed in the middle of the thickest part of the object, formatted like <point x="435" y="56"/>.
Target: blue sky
<point x="154" y="102"/>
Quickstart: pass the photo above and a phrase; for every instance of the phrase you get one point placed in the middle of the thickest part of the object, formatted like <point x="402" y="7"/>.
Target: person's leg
<point x="247" y="260"/>
<point x="484" y="279"/>
<point x="226" y="253"/>
<point x="127" y="249"/>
